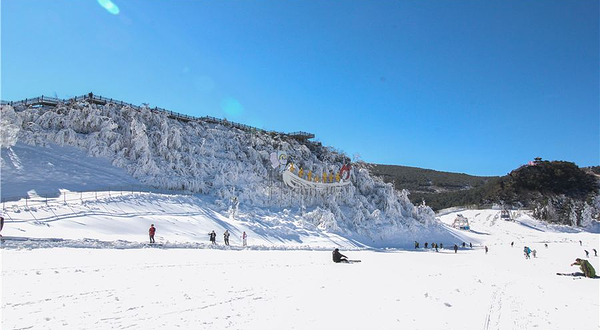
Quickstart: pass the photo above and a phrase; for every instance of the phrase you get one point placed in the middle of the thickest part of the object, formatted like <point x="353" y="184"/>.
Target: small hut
<point x="461" y="223"/>
<point x="505" y="215"/>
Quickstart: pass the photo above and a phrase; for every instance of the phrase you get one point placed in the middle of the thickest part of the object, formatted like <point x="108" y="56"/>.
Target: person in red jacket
<point x="151" y="232"/>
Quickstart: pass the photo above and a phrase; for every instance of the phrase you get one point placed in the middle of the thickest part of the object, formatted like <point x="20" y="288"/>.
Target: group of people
<point x="528" y="252"/>
<point x="441" y="246"/>
<point x="212" y="236"/>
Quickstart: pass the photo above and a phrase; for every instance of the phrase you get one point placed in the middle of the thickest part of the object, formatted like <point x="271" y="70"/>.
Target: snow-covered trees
<point x="225" y="162"/>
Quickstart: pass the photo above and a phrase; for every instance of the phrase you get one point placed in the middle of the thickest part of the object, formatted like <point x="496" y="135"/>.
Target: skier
<point x="151" y="232"/>
<point x="512" y="243"/>
<point x="470" y="245"/>
<point x="527" y="251"/>
<point x="338" y="257"/>
<point x="213" y="237"/>
<point x="244" y="236"/>
<point x="426" y="244"/>
<point x="595" y="252"/>
<point x="534" y="252"/>
<point x="486" y="249"/>
<point x="587" y="254"/>
<point x="226" y="237"/>
<point x="585" y="267"/>
<point x="416" y="245"/>
<point x="455" y="248"/>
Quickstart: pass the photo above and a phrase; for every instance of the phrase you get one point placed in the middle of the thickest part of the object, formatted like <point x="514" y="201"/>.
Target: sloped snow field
<point x="115" y="286"/>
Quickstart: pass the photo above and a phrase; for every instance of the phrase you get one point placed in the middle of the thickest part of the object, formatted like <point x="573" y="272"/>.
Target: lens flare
<point x="232" y="107"/>
<point x="109" y="6"/>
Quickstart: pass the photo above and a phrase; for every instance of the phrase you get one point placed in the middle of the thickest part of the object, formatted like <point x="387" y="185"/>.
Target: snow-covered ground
<point x="159" y="288"/>
<point x="113" y="280"/>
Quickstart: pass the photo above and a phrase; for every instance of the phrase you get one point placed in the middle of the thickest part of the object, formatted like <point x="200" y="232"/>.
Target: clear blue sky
<point x="478" y="87"/>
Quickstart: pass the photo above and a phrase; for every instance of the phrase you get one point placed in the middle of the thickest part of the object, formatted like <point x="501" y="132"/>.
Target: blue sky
<point x="478" y="87"/>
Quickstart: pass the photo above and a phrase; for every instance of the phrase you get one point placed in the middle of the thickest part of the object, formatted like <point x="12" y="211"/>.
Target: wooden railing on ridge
<point x="44" y="101"/>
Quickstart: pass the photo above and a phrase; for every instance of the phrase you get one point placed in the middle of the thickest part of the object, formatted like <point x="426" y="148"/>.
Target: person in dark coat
<point x="470" y="245"/>
<point x="486" y="249"/>
<point x="441" y="245"/>
<point x="464" y="244"/>
<point x="455" y="248"/>
<point x="226" y="237"/>
<point x="416" y="245"/>
<point x="213" y="237"/>
<point x="2" y="225"/>
<point x="587" y="253"/>
<point x="151" y="232"/>
<point x="595" y="253"/>
<point x="426" y="244"/>
<point x="338" y="257"/>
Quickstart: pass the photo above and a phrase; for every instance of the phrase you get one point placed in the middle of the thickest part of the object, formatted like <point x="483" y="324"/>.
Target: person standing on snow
<point x="2" y="224"/>
<point x="213" y="237"/>
<point x="426" y="244"/>
<point x="534" y="252"/>
<point x="244" y="237"/>
<point x="587" y="254"/>
<point x="151" y="232"/>
<point x="486" y="249"/>
<point x="595" y="253"/>
<point x="416" y="245"/>
<point x="226" y="237"/>
<point x="527" y="251"/>
<point x="512" y="243"/>
<point x="470" y="245"/>
<point x="455" y="248"/>
<point x="338" y="257"/>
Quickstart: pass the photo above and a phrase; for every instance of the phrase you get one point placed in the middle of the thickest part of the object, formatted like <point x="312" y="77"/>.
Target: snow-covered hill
<point x="43" y="152"/>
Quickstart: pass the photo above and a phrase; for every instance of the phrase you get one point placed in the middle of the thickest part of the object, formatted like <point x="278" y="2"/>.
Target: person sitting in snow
<point x="151" y="232"/>
<point x="338" y="257"/>
<point x="585" y="267"/>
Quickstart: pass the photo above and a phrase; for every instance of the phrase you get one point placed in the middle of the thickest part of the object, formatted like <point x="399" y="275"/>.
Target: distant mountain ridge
<point x="556" y="191"/>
